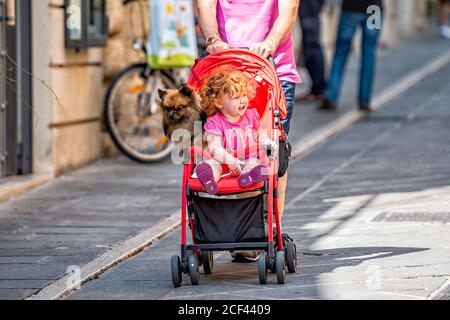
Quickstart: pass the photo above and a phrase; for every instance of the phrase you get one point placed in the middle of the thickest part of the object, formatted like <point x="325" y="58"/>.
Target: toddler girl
<point x="230" y="129"/>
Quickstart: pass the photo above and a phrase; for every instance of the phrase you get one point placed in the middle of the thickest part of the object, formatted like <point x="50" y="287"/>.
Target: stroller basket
<point x="229" y="221"/>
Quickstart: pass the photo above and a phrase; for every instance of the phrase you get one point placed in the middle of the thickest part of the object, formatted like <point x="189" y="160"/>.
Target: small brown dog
<point x="181" y="108"/>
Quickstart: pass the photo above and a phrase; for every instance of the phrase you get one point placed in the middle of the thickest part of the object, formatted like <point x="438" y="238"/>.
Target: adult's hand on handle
<point x="219" y="45"/>
<point x="265" y="49"/>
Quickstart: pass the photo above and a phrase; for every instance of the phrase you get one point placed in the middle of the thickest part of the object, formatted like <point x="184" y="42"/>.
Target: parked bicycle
<point x="132" y="114"/>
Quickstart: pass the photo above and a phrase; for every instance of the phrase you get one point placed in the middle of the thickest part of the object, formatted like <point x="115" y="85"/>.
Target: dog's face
<point x="176" y="104"/>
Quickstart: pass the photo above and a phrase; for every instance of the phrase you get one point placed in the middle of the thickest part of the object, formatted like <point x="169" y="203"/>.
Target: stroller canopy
<point x="269" y="93"/>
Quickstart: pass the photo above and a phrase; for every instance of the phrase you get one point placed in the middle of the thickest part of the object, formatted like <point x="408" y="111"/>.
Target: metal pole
<point x="24" y="102"/>
<point x="3" y="19"/>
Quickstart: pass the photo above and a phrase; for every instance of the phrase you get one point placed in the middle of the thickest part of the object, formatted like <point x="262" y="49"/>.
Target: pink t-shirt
<point x="236" y="136"/>
<point x="244" y="22"/>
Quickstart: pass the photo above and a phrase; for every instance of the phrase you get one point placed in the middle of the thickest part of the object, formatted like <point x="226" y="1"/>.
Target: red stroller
<point x="237" y="218"/>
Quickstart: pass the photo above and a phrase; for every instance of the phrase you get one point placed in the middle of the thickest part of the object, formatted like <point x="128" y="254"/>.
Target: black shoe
<point x="244" y="256"/>
<point x="327" y="106"/>
<point x="365" y="108"/>
<point x="285" y="238"/>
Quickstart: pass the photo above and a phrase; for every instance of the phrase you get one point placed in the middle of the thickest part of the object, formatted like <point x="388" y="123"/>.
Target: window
<point x="85" y="23"/>
<point x="96" y="26"/>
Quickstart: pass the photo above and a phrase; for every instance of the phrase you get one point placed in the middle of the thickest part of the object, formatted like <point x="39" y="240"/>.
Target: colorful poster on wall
<point x="172" y="41"/>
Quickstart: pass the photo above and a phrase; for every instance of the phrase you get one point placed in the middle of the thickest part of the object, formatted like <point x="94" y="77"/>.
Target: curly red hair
<point x="233" y="84"/>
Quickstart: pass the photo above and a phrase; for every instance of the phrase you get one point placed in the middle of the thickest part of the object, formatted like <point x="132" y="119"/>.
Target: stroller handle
<point x="270" y="58"/>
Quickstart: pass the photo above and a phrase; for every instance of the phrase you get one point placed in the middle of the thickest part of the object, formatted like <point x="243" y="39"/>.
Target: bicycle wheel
<point x="133" y="116"/>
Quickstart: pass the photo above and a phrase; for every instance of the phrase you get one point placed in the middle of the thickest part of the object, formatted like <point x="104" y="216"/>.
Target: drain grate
<point x="443" y="217"/>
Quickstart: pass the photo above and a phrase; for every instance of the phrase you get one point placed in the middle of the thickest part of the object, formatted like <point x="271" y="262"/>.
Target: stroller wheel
<point x="291" y="257"/>
<point x="280" y="267"/>
<point x="207" y="258"/>
<point x="262" y="268"/>
<point x="175" y="264"/>
<point x="193" y="269"/>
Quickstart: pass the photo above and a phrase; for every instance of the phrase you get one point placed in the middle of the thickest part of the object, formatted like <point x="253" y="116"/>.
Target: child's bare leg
<point x="216" y="168"/>
<point x="250" y="164"/>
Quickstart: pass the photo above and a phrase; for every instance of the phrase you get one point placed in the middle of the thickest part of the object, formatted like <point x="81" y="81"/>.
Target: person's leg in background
<point x="282" y="184"/>
<point x="289" y="92"/>
<point x="309" y="15"/>
<point x="347" y="26"/>
<point x="369" y="47"/>
<point x="443" y="12"/>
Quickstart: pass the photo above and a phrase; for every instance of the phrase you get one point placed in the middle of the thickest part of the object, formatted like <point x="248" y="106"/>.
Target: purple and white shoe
<point x="206" y="177"/>
<point x="253" y="176"/>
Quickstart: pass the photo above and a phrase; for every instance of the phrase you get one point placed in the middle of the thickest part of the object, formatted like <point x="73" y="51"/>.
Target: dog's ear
<point x="162" y="93"/>
<point x="186" y="91"/>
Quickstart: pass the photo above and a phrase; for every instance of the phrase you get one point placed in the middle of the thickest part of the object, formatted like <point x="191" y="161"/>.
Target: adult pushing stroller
<point x="237" y="218"/>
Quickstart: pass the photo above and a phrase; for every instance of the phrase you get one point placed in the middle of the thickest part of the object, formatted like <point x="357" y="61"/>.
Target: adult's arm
<point x="208" y="24"/>
<point x="283" y="25"/>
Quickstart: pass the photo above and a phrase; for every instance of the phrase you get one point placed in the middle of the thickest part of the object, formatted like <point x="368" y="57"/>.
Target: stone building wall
<point x="126" y="22"/>
<point x="66" y="122"/>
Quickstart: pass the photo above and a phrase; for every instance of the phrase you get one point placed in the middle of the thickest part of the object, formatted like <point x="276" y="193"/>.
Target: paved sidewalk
<point x="370" y="210"/>
<point x="77" y="217"/>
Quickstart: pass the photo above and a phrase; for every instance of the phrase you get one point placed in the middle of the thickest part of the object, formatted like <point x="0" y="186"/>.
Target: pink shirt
<point x="236" y="136"/>
<point x="244" y="22"/>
